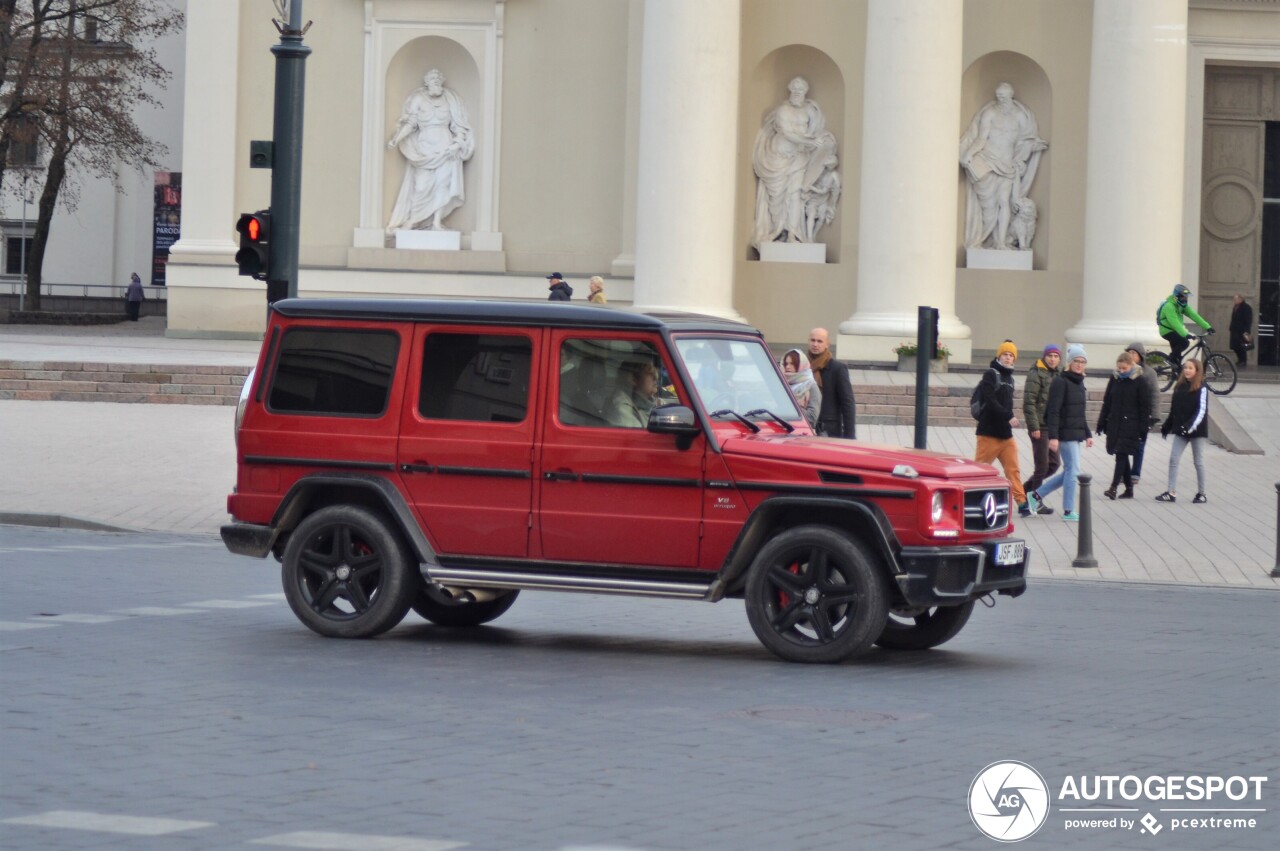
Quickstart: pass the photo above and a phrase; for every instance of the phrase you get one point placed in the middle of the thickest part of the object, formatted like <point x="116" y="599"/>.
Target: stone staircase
<point x="153" y="384"/>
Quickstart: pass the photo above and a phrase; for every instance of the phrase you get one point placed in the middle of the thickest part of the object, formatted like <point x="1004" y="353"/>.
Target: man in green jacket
<point x="1035" y="398"/>
<point x="1169" y="318"/>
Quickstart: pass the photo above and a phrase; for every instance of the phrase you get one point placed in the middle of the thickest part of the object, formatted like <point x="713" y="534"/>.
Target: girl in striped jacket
<point x="1188" y="420"/>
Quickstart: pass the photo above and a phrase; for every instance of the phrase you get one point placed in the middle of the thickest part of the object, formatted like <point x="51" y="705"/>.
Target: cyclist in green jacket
<point x="1169" y="318"/>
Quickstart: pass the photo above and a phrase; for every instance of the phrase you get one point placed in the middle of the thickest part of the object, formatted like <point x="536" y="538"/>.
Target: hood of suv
<point x="831" y="453"/>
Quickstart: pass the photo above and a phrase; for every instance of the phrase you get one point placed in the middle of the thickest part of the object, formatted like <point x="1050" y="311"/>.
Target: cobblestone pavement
<point x="160" y="694"/>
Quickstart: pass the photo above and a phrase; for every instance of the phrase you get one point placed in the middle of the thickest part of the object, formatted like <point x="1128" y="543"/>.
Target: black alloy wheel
<point x="346" y="573"/>
<point x="816" y="595"/>
<point x="923" y="628"/>
<point x="436" y="605"/>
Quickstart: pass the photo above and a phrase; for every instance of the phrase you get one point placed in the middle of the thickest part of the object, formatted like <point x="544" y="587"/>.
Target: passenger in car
<point x="635" y="396"/>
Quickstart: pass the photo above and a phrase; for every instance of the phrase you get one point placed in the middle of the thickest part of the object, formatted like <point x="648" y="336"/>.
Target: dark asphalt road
<point x="161" y="678"/>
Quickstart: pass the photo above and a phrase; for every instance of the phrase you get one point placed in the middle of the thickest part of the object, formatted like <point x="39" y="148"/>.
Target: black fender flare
<point x="866" y="518"/>
<point x="293" y="508"/>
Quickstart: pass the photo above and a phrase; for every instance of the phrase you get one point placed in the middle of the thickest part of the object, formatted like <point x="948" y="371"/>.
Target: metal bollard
<point x="1084" y="547"/>
<point x="1275" y="571"/>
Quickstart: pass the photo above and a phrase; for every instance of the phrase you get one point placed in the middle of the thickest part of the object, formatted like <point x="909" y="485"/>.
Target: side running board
<point x="470" y="577"/>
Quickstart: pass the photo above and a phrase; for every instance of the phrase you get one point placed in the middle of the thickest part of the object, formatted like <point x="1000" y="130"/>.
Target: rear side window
<point x="475" y="377"/>
<point x="334" y="372"/>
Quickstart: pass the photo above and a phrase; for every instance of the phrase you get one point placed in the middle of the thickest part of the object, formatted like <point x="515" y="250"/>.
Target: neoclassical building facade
<point x="620" y="138"/>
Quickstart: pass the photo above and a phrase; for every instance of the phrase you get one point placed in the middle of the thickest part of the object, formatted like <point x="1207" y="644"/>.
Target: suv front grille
<point x="986" y="510"/>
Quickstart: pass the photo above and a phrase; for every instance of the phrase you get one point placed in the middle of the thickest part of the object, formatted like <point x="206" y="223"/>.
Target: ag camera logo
<point x="1008" y="801"/>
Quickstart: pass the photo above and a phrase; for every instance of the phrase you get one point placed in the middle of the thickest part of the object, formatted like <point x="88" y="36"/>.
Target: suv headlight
<point x="937" y="506"/>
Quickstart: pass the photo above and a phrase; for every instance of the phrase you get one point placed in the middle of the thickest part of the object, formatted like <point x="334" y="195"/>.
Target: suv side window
<point x="476" y="377"/>
<point x="343" y="372"/>
<point x="611" y="383"/>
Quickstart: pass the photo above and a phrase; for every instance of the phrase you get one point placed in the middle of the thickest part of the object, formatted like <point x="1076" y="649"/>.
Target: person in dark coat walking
<point x="1068" y="427"/>
<point x="1241" y="329"/>
<point x="133" y="297"/>
<point x="560" y="291"/>
<point x="1125" y="418"/>
<point x="839" y="414"/>
<point x="995" y="426"/>
<point x="1188" y="421"/>
<point x="1153" y="404"/>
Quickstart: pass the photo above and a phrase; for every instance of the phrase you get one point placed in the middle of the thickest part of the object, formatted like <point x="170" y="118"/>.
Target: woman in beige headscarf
<point x="597" y="291"/>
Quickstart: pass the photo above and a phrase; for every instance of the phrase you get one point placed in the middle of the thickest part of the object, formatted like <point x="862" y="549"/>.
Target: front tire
<point x="921" y="629"/>
<point x="815" y="595"/>
<point x="1220" y="375"/>
<point x="346" y="574"/>
<point x="438" y="607"/>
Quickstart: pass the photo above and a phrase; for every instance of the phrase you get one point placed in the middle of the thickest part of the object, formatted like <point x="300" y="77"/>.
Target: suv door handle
<point x="417" y="467"/>
<point x="560" y="476"/>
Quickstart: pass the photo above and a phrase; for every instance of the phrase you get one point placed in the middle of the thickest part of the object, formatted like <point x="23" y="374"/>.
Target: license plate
<point x="1010" y="553"/>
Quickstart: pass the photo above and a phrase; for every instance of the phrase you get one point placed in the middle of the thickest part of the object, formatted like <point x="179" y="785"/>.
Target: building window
<point x="17" y="251"/>
<point x="24" y="148"/>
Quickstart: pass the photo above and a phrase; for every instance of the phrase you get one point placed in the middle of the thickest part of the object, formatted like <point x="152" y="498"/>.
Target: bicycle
<point x="1219" y="371"/>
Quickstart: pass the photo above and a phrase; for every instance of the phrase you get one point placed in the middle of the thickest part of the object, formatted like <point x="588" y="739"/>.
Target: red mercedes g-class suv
<point x="445" y="455"/>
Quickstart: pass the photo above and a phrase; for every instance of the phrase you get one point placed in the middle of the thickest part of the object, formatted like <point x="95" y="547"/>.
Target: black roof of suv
<point x="504" y="313"/>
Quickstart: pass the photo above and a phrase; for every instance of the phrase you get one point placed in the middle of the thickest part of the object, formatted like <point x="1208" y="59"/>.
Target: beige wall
<point x="824" y="45"/>
<point x="566" y="157"/>
<point x="1041" y="47"/>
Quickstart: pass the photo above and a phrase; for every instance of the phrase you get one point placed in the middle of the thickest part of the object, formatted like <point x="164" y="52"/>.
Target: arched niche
<point x="1031" y="87"/>
<point x="765" y="88"/>
<point x="403" y="76"/>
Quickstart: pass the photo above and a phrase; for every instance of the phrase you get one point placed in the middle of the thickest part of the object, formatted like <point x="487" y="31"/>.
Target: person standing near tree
<point x="838" y="416"/>
<point x="133" y="297"/>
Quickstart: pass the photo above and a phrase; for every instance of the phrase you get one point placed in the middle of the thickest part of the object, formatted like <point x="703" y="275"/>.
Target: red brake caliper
<point x="783" y="597"/>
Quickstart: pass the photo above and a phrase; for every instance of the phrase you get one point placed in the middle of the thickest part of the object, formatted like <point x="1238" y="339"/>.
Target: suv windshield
<point x="738" y="375"/>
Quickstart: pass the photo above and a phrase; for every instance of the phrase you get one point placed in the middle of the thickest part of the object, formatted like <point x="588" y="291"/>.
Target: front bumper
<point x="249" y="539"/>
<point x="948" y="576"/>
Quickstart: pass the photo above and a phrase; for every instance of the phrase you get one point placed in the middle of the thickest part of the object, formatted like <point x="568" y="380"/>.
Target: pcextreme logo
<point x="1008" y="801"/>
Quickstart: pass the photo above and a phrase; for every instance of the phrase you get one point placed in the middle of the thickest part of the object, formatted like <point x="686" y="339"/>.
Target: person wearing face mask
<point x="1124" y="417"/>
<point x="1068" y="428"/>
<point x="795" y="366"/>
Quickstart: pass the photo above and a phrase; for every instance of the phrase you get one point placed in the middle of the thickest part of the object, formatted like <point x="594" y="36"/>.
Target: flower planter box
<point x="907" y="363"/>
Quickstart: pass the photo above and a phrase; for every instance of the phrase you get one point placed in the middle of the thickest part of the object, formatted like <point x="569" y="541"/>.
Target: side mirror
<point x="677" y="420"/>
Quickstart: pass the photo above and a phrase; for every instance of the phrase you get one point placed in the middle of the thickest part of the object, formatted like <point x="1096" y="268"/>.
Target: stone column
<point x="1134" y="186"/>
<point x="209" y="133"/>
<point x="688" y="139"/>
<point x="910" y="133"/>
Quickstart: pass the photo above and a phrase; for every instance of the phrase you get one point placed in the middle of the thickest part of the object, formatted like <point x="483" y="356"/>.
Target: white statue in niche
<point x="435" y="138"/>
<point x="797" y="187"/>
<point x="1000" y="153"/>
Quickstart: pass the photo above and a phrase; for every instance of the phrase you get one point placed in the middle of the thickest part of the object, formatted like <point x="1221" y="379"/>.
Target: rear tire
<point x="918" y="629"/>
<point x="815" y="595"/>
<point x="346" y="574"/>
<point x="1220" y="375"/>
<point x="441" y="609"/>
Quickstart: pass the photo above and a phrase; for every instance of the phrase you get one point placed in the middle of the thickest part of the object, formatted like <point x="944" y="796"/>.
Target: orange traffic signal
<point x="254" y="255"/>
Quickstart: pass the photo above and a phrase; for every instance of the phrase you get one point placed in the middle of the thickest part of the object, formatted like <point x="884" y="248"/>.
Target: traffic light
<point x="255" y="244"/>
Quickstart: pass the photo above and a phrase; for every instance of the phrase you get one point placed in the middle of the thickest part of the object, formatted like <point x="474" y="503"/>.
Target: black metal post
<point x="1275" y="571"/>
<point x="286" y="173"/>
<point x="1084" y="546"/>
<point x="926" y="344"/>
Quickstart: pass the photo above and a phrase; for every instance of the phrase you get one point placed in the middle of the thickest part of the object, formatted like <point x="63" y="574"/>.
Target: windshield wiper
<point x="725" y="412"/>
<point x="765" y="412"/>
